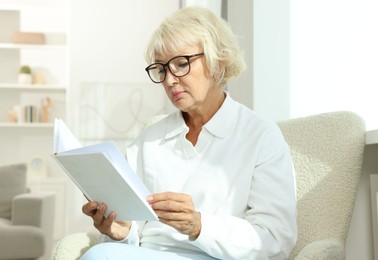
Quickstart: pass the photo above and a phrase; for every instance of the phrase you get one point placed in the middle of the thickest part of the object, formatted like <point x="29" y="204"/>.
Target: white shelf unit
<point x="48" y="61"/>
<point x="32" y="46"/>
<point x="33" y="87"/>
<point x="22" y="141"/>
<point x="16" y="97"/>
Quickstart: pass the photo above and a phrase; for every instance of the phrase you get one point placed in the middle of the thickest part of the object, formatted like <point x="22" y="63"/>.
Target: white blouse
<point x="239" y="175"/>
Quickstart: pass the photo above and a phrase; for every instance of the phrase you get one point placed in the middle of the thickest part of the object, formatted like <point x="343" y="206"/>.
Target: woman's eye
<point x="183" y="64"/>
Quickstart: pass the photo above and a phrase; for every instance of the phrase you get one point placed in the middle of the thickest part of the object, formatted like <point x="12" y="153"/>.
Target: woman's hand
<point x="177" y="210"/>
<point x="116" y="230"/>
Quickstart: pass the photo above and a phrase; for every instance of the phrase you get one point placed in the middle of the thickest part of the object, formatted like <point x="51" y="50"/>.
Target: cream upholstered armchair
<point x="327" y="151"/>
<point x="26" y="219"/>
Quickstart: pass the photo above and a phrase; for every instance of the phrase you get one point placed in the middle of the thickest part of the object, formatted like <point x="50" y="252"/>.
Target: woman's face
<point x="194" y="91"/>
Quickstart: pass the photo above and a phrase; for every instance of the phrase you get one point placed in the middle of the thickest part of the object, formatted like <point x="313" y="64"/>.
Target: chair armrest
<point x="75" y="245"/>
<point x="33" y="209"/>
<point x="327" y="249"/>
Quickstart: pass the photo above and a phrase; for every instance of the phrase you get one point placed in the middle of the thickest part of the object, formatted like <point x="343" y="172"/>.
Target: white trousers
<point x="115" y="251"/>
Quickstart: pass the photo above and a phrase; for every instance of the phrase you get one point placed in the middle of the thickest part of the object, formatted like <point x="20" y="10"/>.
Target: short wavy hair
<point x="197" y="26"/>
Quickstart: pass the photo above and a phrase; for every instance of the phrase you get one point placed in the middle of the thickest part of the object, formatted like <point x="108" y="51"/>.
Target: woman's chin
<point x="180" y="104"/>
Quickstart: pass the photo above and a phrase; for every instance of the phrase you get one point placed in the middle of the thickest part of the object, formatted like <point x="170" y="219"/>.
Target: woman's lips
<point x="176" y="95"/>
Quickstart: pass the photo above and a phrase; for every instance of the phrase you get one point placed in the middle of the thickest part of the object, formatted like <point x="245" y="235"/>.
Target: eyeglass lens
<point x="178" y="66"/>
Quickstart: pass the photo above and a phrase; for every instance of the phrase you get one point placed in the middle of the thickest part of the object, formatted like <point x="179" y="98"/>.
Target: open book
<point x="103" y="174"/>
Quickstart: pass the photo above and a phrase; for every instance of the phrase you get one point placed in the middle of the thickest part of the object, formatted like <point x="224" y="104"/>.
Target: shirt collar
<point x="218" y="125"/>
<point x="222" y="120"/>
<point x="176" y="125"/>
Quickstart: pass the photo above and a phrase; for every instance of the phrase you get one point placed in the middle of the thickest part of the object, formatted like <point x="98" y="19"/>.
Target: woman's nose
<point x="170" y="78"/>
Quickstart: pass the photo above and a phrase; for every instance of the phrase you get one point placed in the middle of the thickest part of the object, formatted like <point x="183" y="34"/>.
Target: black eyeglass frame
<point x="166" y="65"/>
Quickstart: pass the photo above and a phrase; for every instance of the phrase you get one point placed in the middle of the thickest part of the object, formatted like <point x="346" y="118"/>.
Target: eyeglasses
<point x="179" y="66"/>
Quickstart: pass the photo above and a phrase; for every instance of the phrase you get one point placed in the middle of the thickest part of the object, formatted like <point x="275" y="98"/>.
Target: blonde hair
<point x="196" y="26"/>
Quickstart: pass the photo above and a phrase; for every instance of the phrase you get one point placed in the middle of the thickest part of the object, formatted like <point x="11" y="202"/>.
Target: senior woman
<point x="221" y="175"/>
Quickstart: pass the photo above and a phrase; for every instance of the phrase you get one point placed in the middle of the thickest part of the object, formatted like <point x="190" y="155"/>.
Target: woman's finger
<point x="173" y="196"/>
<point x="90" y="208"/>
<point x="169" y="205"/>
<point x="98" y="217"/>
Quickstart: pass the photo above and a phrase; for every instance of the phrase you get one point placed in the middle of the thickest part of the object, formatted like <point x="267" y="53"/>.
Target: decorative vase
<point x="24" y="78"/>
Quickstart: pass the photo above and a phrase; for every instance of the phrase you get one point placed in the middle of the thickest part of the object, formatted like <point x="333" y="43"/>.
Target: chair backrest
<point x="327" y="151"/>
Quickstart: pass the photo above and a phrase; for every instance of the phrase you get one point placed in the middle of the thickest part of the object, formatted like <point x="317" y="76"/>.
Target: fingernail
<point x="150" y="198"/>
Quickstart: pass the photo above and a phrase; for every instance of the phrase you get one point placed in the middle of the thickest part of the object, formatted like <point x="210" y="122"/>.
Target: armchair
<point x="26" y="219"/>
<point x="327" y="151"/>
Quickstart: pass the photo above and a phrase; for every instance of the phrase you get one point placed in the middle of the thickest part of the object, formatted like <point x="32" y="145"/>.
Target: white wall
<point x="271" y="54"/>
<point x="334" y="57"/>
<point x="263" y="29"/>
<point x="240" y="19"/>
<point x="107" y="43"/>
<point x="314" y="56"/>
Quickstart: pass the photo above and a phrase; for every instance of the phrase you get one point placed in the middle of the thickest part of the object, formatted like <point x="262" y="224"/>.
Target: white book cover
<point x="103" y="174"/>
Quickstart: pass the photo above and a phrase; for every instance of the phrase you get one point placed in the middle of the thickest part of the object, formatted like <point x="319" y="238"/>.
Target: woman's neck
<point x="195" y="120"/>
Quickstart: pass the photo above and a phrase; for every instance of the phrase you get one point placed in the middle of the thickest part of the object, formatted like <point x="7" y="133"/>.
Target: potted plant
<point x="25" y="76"/>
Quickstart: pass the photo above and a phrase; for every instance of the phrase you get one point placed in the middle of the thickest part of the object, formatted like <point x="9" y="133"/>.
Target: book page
<point x="63" y="137"/>
<point x="118" y="160"/>
<point x="100" y="181"/>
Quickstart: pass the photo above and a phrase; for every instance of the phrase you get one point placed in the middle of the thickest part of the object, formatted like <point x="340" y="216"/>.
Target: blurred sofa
<point x="26" y="218"/>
